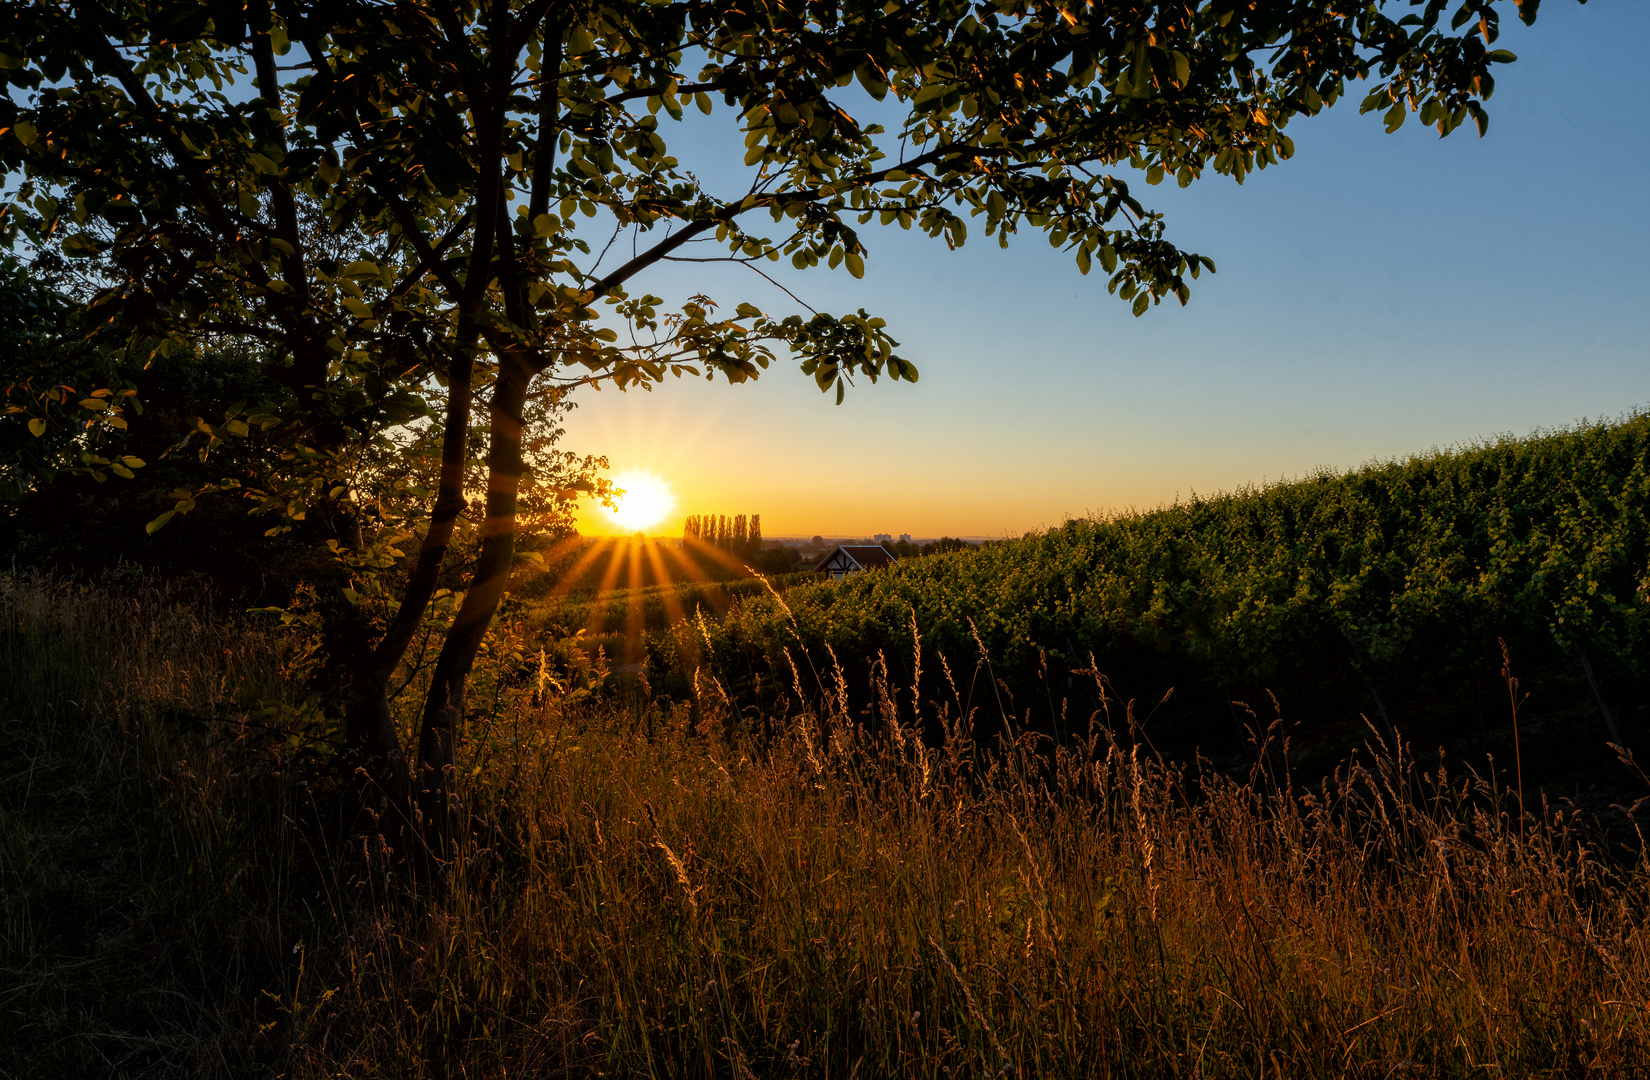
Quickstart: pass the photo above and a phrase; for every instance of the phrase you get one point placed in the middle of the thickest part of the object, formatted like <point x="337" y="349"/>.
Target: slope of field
<point x="1397" y="578"/>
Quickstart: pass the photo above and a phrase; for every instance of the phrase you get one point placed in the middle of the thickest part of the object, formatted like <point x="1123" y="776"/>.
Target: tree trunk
<point x="375" y="747"/>
<point x="444" y="705"/>
<point x="376" y="757"/>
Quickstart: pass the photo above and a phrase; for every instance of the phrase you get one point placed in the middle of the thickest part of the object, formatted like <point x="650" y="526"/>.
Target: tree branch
<point x="544" y="158"/>
<point x="194" y="175"/>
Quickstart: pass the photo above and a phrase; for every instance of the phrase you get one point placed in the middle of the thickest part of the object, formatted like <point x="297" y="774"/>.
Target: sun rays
<point x="643" y="575"/>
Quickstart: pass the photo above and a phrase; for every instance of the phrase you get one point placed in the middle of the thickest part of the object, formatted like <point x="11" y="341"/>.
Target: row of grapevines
<point x="1401" y="566"/>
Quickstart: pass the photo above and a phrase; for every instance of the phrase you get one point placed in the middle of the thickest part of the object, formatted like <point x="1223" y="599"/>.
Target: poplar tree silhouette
<point x="740" y="534"/>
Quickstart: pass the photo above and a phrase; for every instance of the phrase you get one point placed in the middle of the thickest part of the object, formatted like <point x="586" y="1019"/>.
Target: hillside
<point x="1386" y="589"/>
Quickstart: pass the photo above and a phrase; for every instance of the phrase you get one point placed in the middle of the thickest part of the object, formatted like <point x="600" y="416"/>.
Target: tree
<point x="945" y="544"/>
<point x="84" y="436"/>
<point x="38" y="445"/>
<point x="332" y="183"/>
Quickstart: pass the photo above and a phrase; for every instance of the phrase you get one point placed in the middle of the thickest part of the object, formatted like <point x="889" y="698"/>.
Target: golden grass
<point x="682" y="888"/>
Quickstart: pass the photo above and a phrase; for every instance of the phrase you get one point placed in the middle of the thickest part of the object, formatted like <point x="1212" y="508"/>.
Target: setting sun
<point x="646" y="502"/>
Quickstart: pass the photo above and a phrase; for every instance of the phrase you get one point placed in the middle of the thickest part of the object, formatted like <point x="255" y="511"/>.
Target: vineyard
<point x="620" y="620"/>
<point x="1385" y="591"/>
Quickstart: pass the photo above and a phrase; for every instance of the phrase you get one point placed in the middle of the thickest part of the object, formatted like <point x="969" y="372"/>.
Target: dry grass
<point x="658" y="888"/>
<point x="136" y="925"/>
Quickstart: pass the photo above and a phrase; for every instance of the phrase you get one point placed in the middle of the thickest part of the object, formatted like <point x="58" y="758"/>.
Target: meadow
<point x="661" y="886"/>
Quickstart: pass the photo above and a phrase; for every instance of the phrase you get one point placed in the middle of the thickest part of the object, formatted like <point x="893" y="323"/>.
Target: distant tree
<point x="756" y="532"/>
<point x="778" y="560"/>
<point x="737" y="543"/>
<point x="945" y="544"/>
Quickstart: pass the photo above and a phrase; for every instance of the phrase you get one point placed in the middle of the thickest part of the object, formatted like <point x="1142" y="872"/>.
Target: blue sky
<point x="1377" y="295"/>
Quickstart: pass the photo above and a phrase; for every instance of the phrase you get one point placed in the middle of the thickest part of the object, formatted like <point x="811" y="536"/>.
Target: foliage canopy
<point x="383" y="198"/>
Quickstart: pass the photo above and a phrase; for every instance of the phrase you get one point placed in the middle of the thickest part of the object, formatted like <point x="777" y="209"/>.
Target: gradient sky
<point x="1377" y="295"/>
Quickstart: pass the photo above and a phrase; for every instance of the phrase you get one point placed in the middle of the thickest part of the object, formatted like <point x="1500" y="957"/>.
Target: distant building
<point x="883" y="538"/>
<point x="905" y="538"/>
<point x="845" y="559"/>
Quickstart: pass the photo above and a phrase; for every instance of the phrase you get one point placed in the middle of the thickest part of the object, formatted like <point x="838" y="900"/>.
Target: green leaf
<point x="79" y="245"/>
<point x="156" y="524"/>
<point x="856" y="265"/>
<point x="37" y="427"/>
